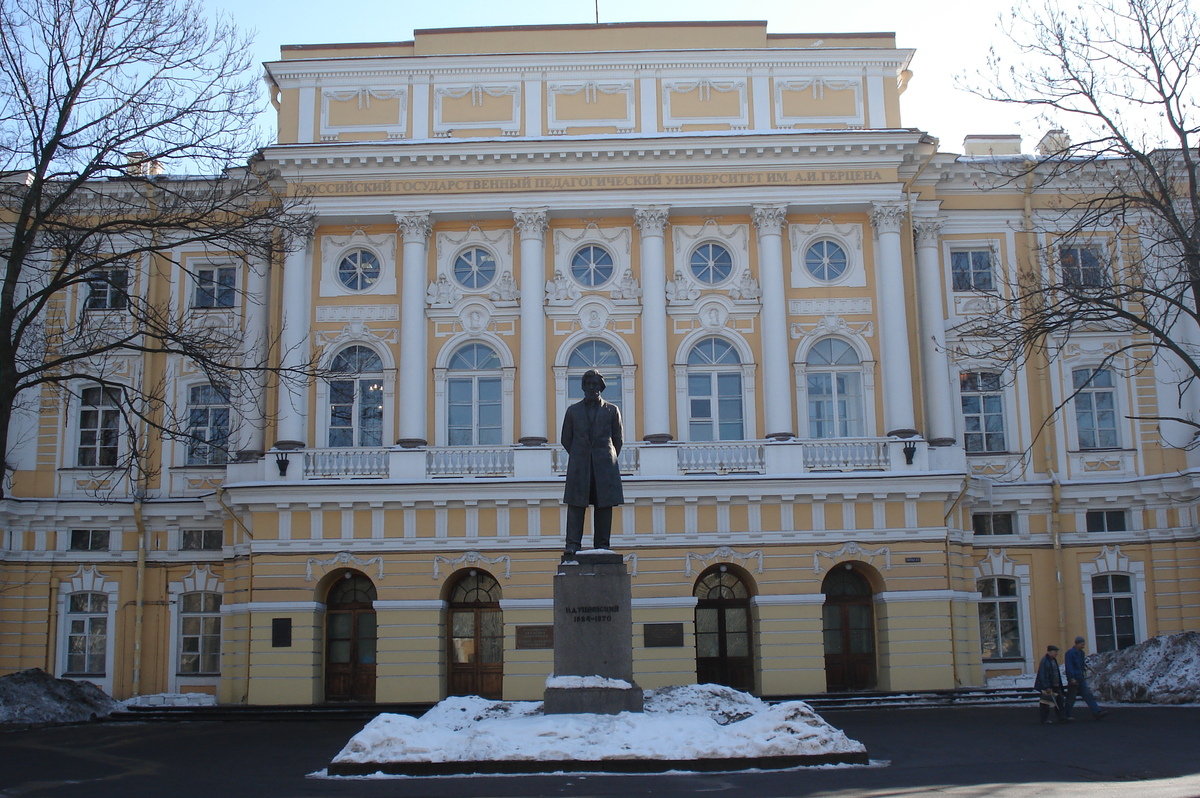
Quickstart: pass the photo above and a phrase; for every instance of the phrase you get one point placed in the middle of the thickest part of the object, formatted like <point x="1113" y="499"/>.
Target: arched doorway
<point x="849" y="626"/>
<point x="475" y="648"/>
<point x="350" y="639"/>
<point x="723" y="630"/>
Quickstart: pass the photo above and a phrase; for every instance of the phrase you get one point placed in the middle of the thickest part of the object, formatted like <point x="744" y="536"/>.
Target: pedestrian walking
<point x="1076" y="667"/>
<point x="1049" y="685"/>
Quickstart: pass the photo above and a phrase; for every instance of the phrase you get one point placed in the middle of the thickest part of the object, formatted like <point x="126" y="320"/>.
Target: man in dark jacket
<point x="1076" y="667"/>
<point x="1050" y="686"/>
<point x="592" y="435"/>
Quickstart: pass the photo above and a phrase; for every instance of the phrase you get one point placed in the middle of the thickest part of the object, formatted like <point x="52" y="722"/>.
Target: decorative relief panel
<point x="819" y="101"/>
<point x="831" y="307"/>
<point x="827" y="254"/>
<point x="725" y="554"/>
<point x="357" y="313"/>
<point x="591" y="104"/>
<point x="705" y="103"/>
<point x="471" y="558"/>
<point x="341" y="560"/>
<point x="364" y="110"/>
<point x="615" y="241"/>
<point x="684" y="287"/>
<point x="477" y="107"/>
<point x="851" y="551"/>
<point x="335" y="248"/>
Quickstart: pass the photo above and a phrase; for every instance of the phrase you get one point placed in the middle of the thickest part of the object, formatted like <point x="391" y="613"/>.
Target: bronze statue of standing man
<point x="592" y="435"/>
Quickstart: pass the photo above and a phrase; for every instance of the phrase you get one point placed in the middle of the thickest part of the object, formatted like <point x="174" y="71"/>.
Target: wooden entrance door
<point x="350" y="639"/>
<point x="723" y="631"/>
<point x="476" y="637"/>
<point x="849" y="626"/>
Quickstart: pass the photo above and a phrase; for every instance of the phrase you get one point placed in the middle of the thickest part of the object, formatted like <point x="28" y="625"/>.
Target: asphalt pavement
<point x="967" y="752"/>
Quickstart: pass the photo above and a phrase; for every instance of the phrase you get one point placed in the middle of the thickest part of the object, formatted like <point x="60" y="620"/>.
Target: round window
<point x="592" y="266"/>
<point x="358" y="270"/>
<point x="711" y="263"/>
<point x="474" y="268"/>
<point x="826" y="261"/>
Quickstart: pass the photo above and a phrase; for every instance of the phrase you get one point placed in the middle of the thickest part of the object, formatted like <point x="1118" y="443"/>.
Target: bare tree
<point x="1115" y="203"/>
<point x="126" y="139"/>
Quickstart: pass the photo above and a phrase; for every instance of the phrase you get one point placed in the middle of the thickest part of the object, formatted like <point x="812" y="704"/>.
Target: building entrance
<point x="723" y="630"/>
<point x="849" y="626"/>
<point x="476" y="641"/>
<point x="350" y="639"/>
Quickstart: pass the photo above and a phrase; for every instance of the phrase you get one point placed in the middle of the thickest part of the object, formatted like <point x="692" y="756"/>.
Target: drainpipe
<point x="1056" y="536"/>
<point x="139" y="610"/>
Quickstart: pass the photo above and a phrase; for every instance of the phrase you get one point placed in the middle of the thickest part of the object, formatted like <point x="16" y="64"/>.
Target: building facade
<point x="736" y="229"/>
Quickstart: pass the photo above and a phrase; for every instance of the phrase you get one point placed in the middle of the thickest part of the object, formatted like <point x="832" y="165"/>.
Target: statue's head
<point x="593" y="384"/>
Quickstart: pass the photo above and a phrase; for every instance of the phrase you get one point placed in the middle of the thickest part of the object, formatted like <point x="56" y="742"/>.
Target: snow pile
<point x="679" y="723"/>
<point x="172" y="700"/>
<point x="34" y="696"/>
<point x="1162" y="670"/>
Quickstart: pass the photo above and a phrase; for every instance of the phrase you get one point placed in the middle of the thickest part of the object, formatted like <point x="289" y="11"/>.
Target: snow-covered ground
<point x="679" y="724"/>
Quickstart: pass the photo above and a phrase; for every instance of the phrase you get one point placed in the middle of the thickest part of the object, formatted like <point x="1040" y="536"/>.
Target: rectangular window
<point x="99" y="427"/>
<point x="202" y="539"/>
<point x="89" y="540"/>
<point x="87" y="633"/>
<point x="1112" y="607"/>
<point x="107" y="290"/>
<point x="1106" y="521"/>
<point x="215" y="287"/>
<point x="983" y="412"/>
<point x="208" y="425"/>
<point x="971" y="270"/>
<point x="1082" y="267"/>
<point x="999" y="618"/>
<point x="1095" y="408"/>
<point x="993" y="523"/>
<point x="200" y="633"/>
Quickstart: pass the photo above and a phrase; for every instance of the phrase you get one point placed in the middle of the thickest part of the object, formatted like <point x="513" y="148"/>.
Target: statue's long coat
<point x="593" y="455"/>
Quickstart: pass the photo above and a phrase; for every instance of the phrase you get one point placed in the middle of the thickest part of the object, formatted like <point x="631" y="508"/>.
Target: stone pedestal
<point x="593" y="638"/>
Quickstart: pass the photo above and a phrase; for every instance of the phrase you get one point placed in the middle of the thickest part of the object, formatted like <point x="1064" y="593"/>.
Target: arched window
<point x="999" y="618"/>
<point x="723" y="630"/>
<point x="476" y="636"/>
<point x="351" y="639"/>
<point x="714" y="391"/>
<point x="474" y="412"/>
<point x="1112" y="609"/>
<point x="835" y="390"/>
<point x="711" y="263"/>
<point x="592" y="266"/>
<point x="356" y="399"/>
<point x="602" y="357"/>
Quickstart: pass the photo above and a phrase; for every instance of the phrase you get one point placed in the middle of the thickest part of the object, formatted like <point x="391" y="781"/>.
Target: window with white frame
<point x="200" y="633"/>
<point x="99" y="426"/>
<point x="208" y="425"/>
<point x="1112" y="611"/>
<point x="356" y="398"/>
<point x="201" y="540"/>
<point x="216" y="287"/>
<point x="359" y="269"/>
<point x="1095" y="408"/>
<point x="834" y="384"/>
<point x="1082" y="266"/>
<point x="108" y="289"/>
<point x="89" y="540"/>
<point x="993" y="523"/>
<point x="826" y="261"/>
<point x="714" y="392"/>
<point x="474" y="409"/>
<point x="592" y="266"/>
<point x="475" y="268"/>
<point x="711" y="263"/>
<point x="971" y="270"/>
<point x="999" y="618"/>
<point x="87" y="634"/>
<point x="983" y="412"/>
<point x="602" y="357"/>
<point x="1106" y="521"/>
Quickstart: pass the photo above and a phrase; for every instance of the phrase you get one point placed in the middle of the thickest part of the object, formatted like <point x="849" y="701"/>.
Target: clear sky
<point x="951" y="37"/>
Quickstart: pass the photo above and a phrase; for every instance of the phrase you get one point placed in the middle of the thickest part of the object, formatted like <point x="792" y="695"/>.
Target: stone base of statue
<point x="593" y="638"/>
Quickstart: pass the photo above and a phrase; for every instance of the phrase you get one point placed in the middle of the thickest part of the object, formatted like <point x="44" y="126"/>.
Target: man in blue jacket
<point x="1076" y="667"/>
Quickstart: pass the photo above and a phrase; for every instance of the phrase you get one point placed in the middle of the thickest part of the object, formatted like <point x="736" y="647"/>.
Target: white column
<point x="251" y="432"/>
<point x="935" y="365"/>
<point x="898" y="416"/>
<point x="414" y="358"/>
<point x="656" y="406"/>
<point x="777" y="383"/>
<point x="291" y="431"/>
<point x="531" y="225"/>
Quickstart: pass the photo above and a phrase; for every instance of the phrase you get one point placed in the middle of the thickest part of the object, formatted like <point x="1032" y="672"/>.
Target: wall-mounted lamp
<point x="910" y="451"/>
<point x="281" y="460"/>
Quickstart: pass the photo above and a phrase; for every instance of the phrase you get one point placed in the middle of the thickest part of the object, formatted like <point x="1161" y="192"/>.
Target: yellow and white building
<point x="736" y="228"/>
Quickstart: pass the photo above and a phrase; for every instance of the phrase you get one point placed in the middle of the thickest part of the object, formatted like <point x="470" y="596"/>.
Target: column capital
<point x="769" y="219"/>
<point x="651" y="220"/>
<point x="531" y="222"/>
<point x="416" y="227"/>
<point x="886" y="217"/>
<point x="299" y="234"/>
<point x="927" y="229"/>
